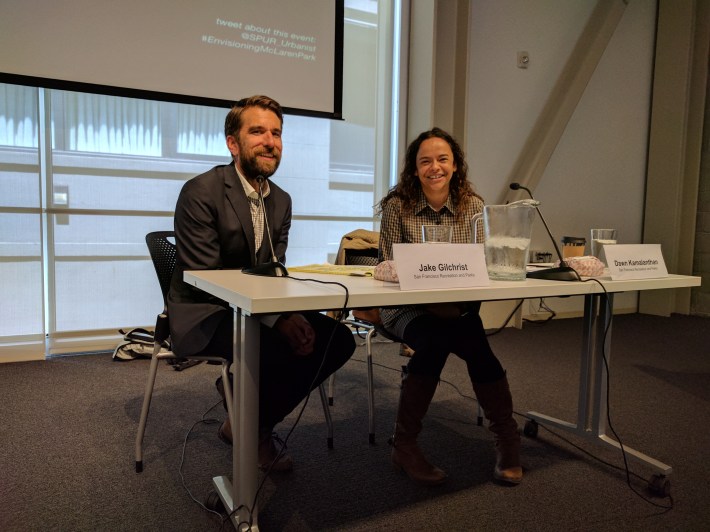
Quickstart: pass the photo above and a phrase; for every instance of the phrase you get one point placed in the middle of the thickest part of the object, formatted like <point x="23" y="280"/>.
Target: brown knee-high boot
<point x="497" y="404"/>
<point x="415" y="396"/>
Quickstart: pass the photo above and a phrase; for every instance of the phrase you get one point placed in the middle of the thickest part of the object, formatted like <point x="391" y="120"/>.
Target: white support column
<point x="675" y="144"/>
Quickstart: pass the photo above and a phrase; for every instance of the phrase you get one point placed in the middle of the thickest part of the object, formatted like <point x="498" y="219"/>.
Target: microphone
<point x="273" y="268"/>
<point x="560" y="273"/>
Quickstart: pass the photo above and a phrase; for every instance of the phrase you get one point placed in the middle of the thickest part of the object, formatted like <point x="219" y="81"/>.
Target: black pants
<point x="432" y="338"/>
<point x="285" y="379"/>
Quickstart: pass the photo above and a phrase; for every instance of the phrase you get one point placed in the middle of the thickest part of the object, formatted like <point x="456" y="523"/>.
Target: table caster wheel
<point x="659" y="485"/>
<point x="214" y="503"/>
<point x="530" y="428"/>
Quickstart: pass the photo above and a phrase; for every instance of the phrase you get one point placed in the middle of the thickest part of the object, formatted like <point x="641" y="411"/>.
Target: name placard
<point x="635" y="261"/>
<point x="425" y="266"/>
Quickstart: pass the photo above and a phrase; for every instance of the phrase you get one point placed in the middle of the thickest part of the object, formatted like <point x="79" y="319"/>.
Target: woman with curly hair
<point x="433" y="189"/>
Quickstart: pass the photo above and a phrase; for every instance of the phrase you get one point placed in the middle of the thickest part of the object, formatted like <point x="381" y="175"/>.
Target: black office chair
<point x="163" y="252"/>
<point x="368" y="321"/>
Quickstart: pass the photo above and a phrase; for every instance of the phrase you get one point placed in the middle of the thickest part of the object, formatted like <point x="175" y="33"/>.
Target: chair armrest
<point x="162" y="328"/>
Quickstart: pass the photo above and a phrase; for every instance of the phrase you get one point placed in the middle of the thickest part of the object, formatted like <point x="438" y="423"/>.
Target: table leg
<point x="239" y="497"/>
<point x="592" y="402"/>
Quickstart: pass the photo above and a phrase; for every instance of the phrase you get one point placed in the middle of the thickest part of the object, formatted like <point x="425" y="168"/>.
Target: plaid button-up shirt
<point x="400" y="226"/>
<point x="257" y="215"/>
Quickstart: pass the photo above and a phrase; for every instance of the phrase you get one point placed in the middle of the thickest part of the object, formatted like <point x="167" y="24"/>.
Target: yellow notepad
<point x="335" y="269"/>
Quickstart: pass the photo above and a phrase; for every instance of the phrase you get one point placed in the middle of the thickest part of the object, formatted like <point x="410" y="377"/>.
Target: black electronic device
<point x="559" y="273"/>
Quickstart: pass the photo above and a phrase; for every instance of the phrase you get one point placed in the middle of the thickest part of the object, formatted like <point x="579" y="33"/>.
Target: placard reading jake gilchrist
<point x="424" y="266"/>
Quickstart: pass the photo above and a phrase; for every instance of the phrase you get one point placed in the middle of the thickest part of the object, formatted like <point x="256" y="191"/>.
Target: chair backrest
<point x="361" y="246"/>
<point x="364" y="257"/>
<point x="163" y="252"/>
<point x="361" y="257"/>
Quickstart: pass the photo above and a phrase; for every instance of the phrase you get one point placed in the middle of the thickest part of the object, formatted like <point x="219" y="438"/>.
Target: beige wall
<point x="597" y="173"/>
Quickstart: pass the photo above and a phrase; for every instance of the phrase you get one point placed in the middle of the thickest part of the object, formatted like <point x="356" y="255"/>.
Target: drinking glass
<point x="436" y="234"/>
<point x="601" y="238"/>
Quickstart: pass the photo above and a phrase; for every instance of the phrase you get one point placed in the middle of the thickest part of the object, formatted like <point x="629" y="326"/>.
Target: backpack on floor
<point x="137" y="343"/>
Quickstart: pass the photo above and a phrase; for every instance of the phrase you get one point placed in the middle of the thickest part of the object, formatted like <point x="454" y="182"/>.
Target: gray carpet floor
<point x="68" y="426"/>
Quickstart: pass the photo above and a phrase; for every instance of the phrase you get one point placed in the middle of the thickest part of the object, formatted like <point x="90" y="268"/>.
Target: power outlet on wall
<point x="523" y="59"/>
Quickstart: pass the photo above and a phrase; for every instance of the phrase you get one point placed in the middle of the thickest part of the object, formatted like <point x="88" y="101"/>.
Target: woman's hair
<point x="408" y="186"/>
<point x="233" y="121"/>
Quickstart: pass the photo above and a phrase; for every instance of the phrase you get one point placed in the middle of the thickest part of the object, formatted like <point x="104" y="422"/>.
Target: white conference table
<point x="251" y="296"/>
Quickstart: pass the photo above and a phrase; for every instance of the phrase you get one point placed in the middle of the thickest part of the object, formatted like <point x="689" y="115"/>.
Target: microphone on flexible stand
<point x="560" y="273"/>
<point x="273" y="268"/>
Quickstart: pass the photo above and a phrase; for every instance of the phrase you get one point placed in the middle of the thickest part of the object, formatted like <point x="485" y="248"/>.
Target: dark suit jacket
<point x="213" y="230"/>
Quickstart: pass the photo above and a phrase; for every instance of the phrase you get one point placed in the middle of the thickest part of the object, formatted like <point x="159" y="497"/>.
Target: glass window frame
<point x="57" y="157"/>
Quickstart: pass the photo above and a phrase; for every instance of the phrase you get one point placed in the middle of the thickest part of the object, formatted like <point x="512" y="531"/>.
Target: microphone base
<point x="561" y="273"/>
<point x="268" y="269"/>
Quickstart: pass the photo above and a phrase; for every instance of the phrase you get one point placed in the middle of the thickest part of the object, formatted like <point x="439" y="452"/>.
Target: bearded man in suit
<point x="219" y="224"/>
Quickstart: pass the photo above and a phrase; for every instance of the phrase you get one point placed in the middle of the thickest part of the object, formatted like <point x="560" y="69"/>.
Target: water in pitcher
<point x="506" y="257"/>
<point x="507" y="230"/>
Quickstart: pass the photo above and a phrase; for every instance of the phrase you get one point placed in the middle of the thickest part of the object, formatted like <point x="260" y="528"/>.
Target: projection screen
<point x="210" y="52"/>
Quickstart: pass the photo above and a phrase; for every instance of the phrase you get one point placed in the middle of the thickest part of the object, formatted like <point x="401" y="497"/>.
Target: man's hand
<point x="299" y="333"/>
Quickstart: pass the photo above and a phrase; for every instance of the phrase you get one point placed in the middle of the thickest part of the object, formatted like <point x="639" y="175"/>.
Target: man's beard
<point x="251" y="167"/>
